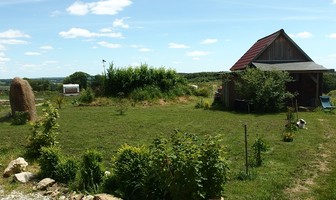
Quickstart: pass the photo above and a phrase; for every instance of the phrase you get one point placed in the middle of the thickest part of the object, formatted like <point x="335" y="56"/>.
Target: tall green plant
<point x="91" y="171"/>
<point x="44" y="132"/>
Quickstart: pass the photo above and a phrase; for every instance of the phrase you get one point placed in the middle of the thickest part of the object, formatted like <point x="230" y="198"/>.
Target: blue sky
<point x="55" y="38"/>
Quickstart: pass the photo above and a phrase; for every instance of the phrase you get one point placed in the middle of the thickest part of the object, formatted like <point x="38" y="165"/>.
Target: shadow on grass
<point x="6" y="118"/>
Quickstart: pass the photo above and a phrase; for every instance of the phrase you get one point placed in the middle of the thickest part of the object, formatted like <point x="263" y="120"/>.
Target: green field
<point x="302" y="169"/>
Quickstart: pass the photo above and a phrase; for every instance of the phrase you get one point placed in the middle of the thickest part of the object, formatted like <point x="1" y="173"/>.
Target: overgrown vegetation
<point x="183" y="166"/>
<point x="143" y="82"/>
<point x="266" y="89"/>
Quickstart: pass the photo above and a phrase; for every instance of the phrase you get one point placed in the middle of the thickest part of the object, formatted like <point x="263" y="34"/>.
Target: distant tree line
<point x="130" y="79"/>
<point x="329" y="82"/>
<point x="202" y="76"/>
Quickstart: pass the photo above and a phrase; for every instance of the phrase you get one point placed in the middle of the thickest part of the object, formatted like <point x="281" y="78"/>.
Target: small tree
<point x="44" y="132"/>
<point x="267" y="89"/>
<point x="59" y="101"/>
<point x="258" y="147"/>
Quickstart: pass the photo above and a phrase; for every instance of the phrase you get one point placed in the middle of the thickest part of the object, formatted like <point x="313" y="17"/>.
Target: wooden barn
<point x="279" y="52"/>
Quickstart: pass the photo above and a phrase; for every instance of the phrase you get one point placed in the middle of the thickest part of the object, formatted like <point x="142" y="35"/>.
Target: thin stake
<point x="246" y="153"/>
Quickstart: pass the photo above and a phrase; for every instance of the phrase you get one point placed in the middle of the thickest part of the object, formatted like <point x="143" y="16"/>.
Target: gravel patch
<point x="19" y="195"/>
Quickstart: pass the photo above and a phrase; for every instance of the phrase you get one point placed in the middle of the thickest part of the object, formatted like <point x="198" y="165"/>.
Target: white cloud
<point x="109" y="45"/>
<point x="76" y="32"/>
<point x="12" y="41"/>
<point x="106" y="30"/>
<point x="332" y="35"/>
<point x="3" y="58"/>
<point x="198" y="53"/>
<point x="2" y="47"/>
<point x="79" y="32"/>
<point x="177" y="46"/>
<point x="334" y="2"/>
<point x="29" y="53"/>
<point x="55" y="13"/>
<point x="303" y="35"/>
<point x="11" y="33"/>
<point x="145" y="49"/>
<point x="78" y="8"/>
<point x="209" y="41"/>
<point x="120" y="23"/>
<point x="47" y="47"/>
<point x="104" y="7"/>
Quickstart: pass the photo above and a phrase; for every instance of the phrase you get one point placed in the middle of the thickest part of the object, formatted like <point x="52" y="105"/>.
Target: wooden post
<point x="246" y="152"/>
<point x="297" y="110"/>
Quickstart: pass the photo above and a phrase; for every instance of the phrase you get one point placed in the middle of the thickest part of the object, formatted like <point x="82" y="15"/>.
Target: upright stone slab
<point x="22" y="98"/>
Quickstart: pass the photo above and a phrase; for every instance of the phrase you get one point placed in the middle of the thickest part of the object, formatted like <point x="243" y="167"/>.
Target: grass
<point x="300" y="169"/>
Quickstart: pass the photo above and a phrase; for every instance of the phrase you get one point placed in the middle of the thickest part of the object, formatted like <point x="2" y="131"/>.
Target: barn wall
<point x="307" y="89"/>
<point x="281" y="50"/>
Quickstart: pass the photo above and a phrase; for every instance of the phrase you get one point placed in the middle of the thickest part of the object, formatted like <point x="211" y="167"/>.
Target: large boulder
<point x="22" y="98"/>
<point x="15" y="166"/>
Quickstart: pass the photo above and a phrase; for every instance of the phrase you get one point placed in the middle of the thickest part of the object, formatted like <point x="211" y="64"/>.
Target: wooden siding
<point x="281" y="50"/>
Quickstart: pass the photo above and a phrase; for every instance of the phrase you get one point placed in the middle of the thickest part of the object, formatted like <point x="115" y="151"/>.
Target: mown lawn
<point x="304" y="168"/>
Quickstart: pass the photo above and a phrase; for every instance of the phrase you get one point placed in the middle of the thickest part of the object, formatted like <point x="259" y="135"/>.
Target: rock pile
<point x="46" y="189"/>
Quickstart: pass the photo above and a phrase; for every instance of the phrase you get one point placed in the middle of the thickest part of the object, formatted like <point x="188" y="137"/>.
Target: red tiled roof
<point x="255" y="50"/>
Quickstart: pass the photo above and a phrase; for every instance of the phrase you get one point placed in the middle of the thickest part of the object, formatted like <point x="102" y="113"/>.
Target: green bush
<point x="91" y="172"/>
<point x="266" y="89"/>
<point x="131" y="171"/>
<point x="203" y="92"/>
<point x="53" y="164"/>
<point x="44" y="132"/>
<point x="49" y="161"/>
<point x="86" y="96"/>
<point x="66" y="170"/>
<point x="20" y="118"/>
<point x="146" y="93"/>
<point x="183" y="166"/>
<point x="202" y="104"/>
<point x="214" y="167"/>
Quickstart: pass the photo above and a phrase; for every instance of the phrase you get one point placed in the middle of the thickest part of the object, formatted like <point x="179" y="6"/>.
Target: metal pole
<point x="246" y="152"/>
<point x="104" y="66"/>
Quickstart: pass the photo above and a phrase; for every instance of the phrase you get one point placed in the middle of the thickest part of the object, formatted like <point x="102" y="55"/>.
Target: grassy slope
<point x="286" y="169"/>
